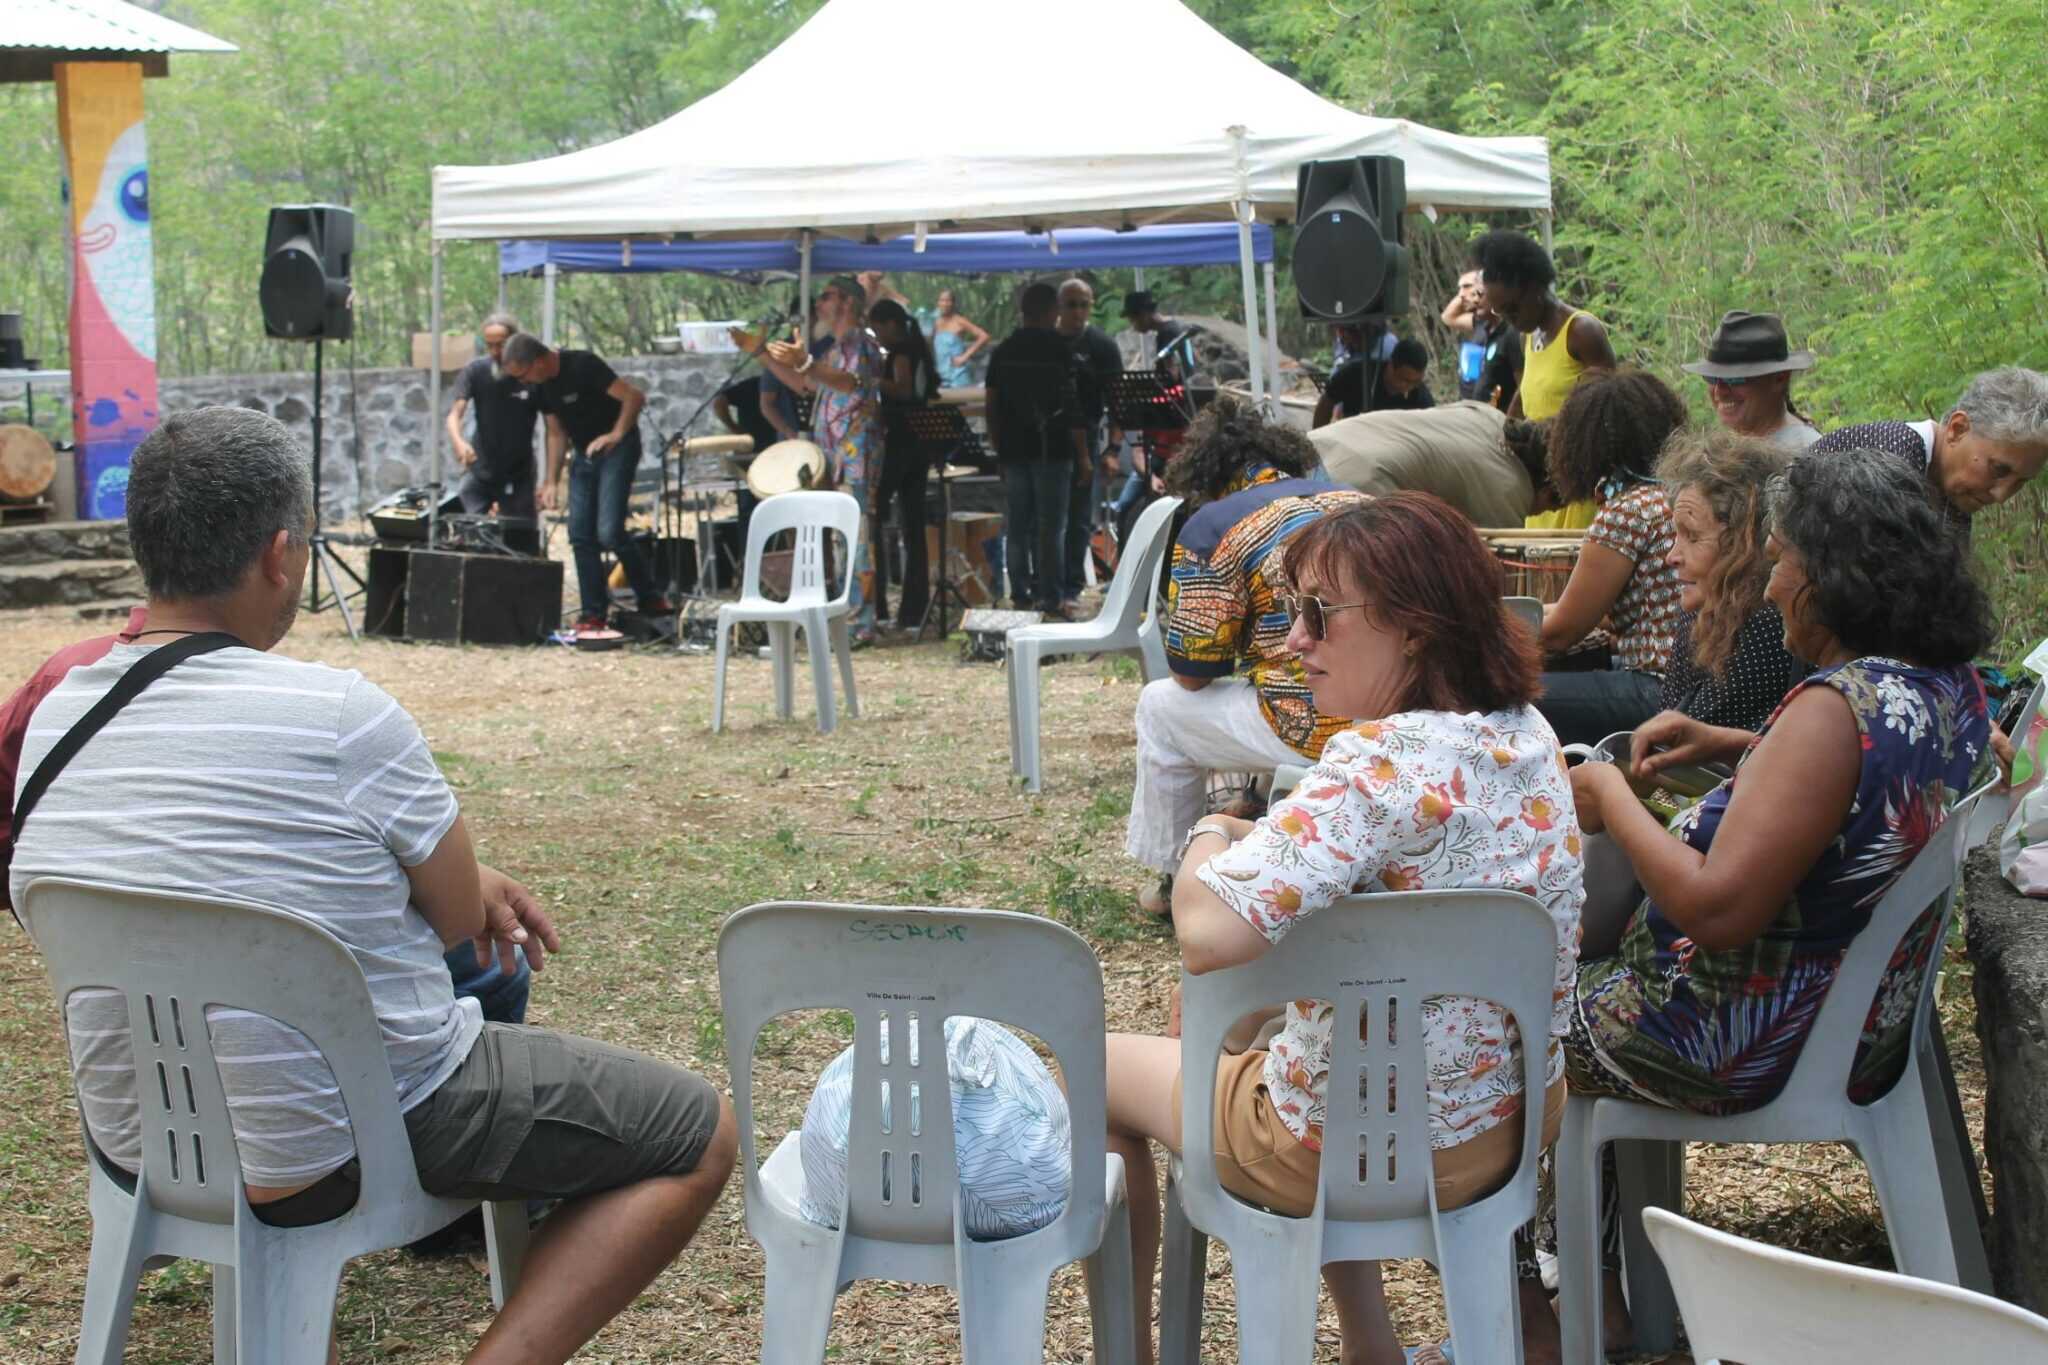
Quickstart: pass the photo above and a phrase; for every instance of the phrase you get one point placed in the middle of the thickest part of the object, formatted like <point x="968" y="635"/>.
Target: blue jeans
<point x="1035" y="532"/>
<point x="503" y="997"/>
<point x="1587" y="707"/>
<point x="599" y="490"/>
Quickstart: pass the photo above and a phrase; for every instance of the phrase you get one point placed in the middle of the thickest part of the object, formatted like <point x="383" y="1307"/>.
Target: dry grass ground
<point x="595" y="779"/>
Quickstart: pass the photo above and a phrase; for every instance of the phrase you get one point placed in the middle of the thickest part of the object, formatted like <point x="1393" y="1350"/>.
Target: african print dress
<point x="1670" y="1022"/>
<point x="847" y="429"/>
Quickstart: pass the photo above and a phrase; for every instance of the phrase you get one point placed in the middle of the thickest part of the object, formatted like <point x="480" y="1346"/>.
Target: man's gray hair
<point x="523" y="348"/>
<point x="2009" y="406"/>
<point x="206" y="492"/>
<point x="499" y="319"/>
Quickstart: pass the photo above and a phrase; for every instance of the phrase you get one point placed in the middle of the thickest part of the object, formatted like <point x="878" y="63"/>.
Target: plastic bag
<point x="1012" y="1139"/>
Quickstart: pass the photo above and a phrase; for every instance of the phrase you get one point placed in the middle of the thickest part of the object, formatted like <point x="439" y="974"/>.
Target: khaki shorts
<point x="1259" y="1160"/>
<point x="535" y="1114"/>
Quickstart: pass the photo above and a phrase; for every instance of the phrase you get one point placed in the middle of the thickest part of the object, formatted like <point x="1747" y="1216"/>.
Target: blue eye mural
<point x="135" y="196"/>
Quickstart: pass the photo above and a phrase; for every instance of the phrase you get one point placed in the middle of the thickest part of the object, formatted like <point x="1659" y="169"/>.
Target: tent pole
<point x="803" y="287"/>
<point x="1251" y="301"/>
<point x="1147" y="356"/>
<point x="1544" y="221"/>
<point x="1272" y="330"/>
<point x="547" y="304"/>
<point x="504" y="294"/>
<point x="433" y="394"/>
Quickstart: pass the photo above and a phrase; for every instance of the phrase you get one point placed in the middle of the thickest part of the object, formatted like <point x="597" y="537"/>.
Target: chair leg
<point x="1112" y="1286"/>
<point x="112" y="1276"/>
<point x="506" y="1235"/>
<point x="782" y="657"/>
<point x="224" y="1315"/>
<point x="1183" y="1270"/>
<point x="842" y="645"/>
<point x="796" y="1310"/>
<point x="1480" y="1295"/>
<point x="284" y="1307"/>
<point x="1905" y="1169"/>
<point x="1956" y="1164"/>
<point x="1579" y="1286"/>
<point x="1002" y="1312"/>
<point x="1024" y="682"/>
<point x="1277" y="1285"/>
<point x="818" y="635"/>
<point x="1010" y="684"/>
<point x="1650" y="1175"/>
<point x="1151" y="650"/>
<point x="718" y="679"/>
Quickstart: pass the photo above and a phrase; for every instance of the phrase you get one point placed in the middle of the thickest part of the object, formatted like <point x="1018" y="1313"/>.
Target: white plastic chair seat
<point x="1763" y="1305"/>
<point x="273" y="1287"/>
<point x="1917" y="1163"/>
<point x="902" y="1219"/>
<point x="823" y="619"/>
<point x="1371" y="957"/>
<point x="1128" y="623"/>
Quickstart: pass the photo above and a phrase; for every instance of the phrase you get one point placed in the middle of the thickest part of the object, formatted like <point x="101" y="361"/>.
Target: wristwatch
<point x="1195" y="831"/>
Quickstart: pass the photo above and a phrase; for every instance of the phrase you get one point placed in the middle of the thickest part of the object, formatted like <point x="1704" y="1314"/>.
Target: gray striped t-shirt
<point x="255" y="777"/>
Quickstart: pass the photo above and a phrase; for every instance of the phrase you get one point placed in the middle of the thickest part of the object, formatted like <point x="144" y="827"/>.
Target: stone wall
<point x="388" y="410"/>
<point x="2008" y="946"/>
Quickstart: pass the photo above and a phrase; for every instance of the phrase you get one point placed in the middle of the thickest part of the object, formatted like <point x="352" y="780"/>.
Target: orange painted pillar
<point x="113" y="276"/>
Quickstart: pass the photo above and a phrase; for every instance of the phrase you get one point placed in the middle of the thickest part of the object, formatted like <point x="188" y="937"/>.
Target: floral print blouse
<point x="1423" y="800"/>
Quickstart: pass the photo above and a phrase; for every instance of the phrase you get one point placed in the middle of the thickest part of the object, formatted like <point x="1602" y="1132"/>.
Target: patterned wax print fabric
<point x="1636" y="524"/>
<point x="1668" y="1021"/>
<point x="1011" y="1135"/>
<point x="1420" y="801"/>
<point x="848" y="428"/>
<point x="1222" y="602"/>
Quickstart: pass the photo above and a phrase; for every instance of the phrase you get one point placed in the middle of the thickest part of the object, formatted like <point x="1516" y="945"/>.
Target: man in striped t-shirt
<point x="247" y="774"/>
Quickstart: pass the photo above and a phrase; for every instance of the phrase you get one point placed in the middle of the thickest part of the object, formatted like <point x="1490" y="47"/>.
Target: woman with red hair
<point x="1448" y="778"/>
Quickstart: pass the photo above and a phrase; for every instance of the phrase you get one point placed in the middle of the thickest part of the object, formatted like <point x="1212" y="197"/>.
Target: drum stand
<point x="941" y="434"/>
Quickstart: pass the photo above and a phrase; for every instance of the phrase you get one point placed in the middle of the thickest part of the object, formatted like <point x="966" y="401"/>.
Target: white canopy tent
<point x="790" y="145"/>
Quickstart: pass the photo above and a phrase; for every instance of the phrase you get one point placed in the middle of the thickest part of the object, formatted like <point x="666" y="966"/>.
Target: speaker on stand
<point x="305" y="296"/>
<point x="1350" y="243"/>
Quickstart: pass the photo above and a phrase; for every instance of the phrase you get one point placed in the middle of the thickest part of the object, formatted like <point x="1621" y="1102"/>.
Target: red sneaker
<point x="589" y="621"/>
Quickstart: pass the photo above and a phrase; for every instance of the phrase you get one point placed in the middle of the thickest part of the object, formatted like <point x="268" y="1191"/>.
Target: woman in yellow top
<point x="1559" y="342"/>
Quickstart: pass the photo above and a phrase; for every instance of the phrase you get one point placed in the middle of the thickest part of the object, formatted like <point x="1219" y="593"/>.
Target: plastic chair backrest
<point x="902" y="973"/>
<point x="810" y="515"/>
<point x="1763" y="1305"/>
<point x="172" y="957"/>
<point x="1375" y="958"/>
<point x="1929" y="882"/>
<point x="1131" y="590"/>
<point x="1527" y="610"/>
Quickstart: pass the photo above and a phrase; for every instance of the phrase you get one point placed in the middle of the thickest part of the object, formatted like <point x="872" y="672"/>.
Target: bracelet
<point x="809" y="361"/>
<point x="1196" y="831"/>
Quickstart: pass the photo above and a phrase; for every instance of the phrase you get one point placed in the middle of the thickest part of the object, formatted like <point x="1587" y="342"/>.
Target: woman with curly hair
<point x="1604" y="444"/>
<point x="1247" y="491"/>
<point x="1729" y="665"/>
<point x="1753" y="895"/>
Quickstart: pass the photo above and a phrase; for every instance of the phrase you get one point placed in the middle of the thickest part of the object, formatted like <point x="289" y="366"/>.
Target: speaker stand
<point x="323" y="559"/>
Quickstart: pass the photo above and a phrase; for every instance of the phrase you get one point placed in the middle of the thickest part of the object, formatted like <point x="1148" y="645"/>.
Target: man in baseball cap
<point x="1748" y="368"/>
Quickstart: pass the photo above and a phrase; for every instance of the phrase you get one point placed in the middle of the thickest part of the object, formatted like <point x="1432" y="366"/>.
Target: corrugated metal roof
<point x="97" y="26"/>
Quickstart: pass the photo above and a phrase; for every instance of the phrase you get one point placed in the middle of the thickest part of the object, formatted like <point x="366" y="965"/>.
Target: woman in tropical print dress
<point x="1448" y="779"/>
<point x="1748" y="910"/>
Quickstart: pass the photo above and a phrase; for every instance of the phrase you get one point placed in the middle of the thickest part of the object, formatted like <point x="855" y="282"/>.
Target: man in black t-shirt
<point x="594" y="412"/>
<point x="1037" y="428"/>
<point x="498" y="464"/>
<point x="1397" y="384"/>
<point x="1173" y="342"/>
<point x="1097" y="361"/>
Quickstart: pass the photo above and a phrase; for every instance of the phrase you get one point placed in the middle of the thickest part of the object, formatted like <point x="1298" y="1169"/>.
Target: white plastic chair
<point x="823" y="619"/>
<point x="1922" y="1176"/>
<point x="1527" y="610"/>
<point x="273" y="1288"/>
<point x="901" y="973"/>
<point x="1375" y="958"/>
<point x="1128" y="623"/>
<point x="1766" y="1306"/>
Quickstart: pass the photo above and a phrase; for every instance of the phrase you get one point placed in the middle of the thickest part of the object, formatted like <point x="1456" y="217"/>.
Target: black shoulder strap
<point x="145" y="671"/>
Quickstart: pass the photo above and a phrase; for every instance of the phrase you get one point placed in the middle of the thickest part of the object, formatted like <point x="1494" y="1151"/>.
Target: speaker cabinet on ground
<point x="304" y="290"/>
<point x="1350" y="257"/>
<point x="471" y="599"/>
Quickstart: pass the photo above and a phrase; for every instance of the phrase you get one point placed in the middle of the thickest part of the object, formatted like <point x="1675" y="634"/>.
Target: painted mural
<point x="113" y="298"/>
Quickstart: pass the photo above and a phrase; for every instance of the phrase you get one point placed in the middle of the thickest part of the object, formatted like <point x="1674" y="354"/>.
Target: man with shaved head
<point x="1097" y="361"/>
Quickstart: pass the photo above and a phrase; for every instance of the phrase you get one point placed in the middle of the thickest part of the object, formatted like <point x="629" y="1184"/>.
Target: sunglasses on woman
<point x="1313" y="612"/>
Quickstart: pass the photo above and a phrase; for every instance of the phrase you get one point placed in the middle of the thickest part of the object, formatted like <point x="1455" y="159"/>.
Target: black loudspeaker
<point x="305" y="290"/>
<point x="1350" y="257"/>
<point x="474" y="599"/>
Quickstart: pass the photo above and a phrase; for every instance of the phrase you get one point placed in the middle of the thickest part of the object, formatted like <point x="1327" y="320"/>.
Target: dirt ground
<point x="595" y="778"/>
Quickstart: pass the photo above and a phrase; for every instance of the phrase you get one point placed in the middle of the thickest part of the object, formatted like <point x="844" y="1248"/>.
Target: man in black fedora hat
<point x="1748" y="368"/>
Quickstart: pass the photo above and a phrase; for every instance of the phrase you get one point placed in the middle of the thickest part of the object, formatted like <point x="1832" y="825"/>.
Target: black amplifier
<point x="476" y="599"/>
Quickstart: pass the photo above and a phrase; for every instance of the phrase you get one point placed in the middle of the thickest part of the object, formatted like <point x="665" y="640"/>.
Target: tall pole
<point x="803" y="287"/>
<point x="547" y="303"/>
<point x="1251" y="301"/>
<point x="1272" y="330"/>
<point x="434" y="396"/>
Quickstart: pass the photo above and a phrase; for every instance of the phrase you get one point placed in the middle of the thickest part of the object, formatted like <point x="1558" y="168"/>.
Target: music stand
<point x="1149" y="403"/>
<point x="939" y="433"/>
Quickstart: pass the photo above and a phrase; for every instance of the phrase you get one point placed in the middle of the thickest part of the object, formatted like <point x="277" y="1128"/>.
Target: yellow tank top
<point x="1573" y="516"/>
<point x="1548" y="374"/>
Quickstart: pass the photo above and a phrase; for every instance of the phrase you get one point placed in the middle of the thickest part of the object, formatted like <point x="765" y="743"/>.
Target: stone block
<point x="2008" y="945"/>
